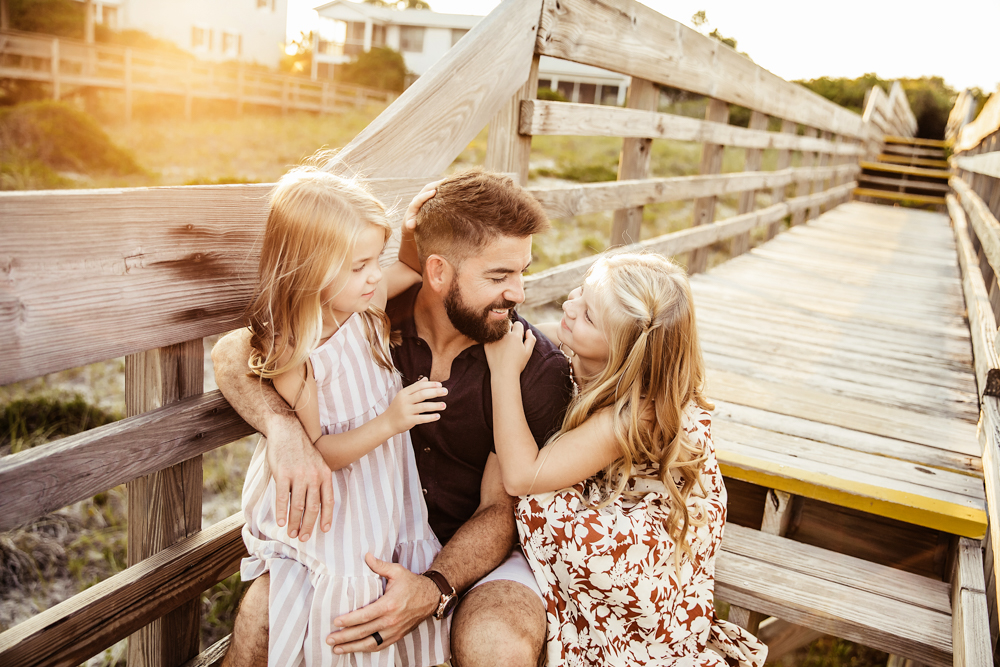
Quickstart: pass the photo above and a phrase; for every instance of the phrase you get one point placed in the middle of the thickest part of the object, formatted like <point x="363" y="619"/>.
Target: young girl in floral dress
<point x="319" y="334"/>
<point x="622" y="511"/>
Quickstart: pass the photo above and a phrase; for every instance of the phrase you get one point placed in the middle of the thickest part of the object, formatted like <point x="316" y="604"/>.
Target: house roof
<point x="345" y="10"/>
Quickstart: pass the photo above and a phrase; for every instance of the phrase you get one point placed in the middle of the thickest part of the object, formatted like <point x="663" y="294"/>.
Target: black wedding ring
<point x="378" y="638"/>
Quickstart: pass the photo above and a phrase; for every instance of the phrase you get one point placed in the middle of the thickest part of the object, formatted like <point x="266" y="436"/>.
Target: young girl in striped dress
<point x="319" y="334"/>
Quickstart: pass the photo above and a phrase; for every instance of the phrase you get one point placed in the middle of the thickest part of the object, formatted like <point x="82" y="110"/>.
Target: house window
<point x="231" y="44"/>
<point x="201" y="38"/>
<point x="457" y="34"/>
<point x="411" y="39"/>
<point x="588" y="93"/>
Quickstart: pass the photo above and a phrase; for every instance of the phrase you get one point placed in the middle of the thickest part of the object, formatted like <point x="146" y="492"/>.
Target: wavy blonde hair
<point x="314" y="222"/>
<point x="655" y="369"/>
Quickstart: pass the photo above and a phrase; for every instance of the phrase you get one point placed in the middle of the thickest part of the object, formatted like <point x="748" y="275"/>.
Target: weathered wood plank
<point x="633" y="164"/>
<point x="871" y="604"/>
<point x="970" y="617"/>
<point x="748" y="200"/>
<point x="554" y="283"/>
<point x="711" y="163"/>
<point x="985" y="124"/>
<point x="40" y="480"/>
<point x="898" y="196"/>
<point x="808" y="160"/>
<point x="165" y="507"/>
<point x="987" y="164"/>
<point x="539" y="117"/>
<point x="580" y="199"/>
<point x="507" y="150"/>
<point x="638" y="41"/>
<point x="982" y="323"/>
<point x="74" y="630"/>
<point x="182" y="258"/>
<point x="989" y="440"/>
<point x="426" y="128"/>
<point x="784" y="161"/>
<point x="212" y="656"/>
<point x="902" y="169"/>
<point x="986" y="226"/>
<point x="845" y="437"/>
<point x="949" y="434"/>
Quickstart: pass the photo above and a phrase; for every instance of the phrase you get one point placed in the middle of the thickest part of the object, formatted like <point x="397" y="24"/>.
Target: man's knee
<point x="248" y="645"/>
<point x="498" y="623"/>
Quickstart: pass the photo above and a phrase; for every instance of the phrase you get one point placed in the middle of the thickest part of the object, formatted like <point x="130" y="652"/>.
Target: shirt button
<point x="425" y="491"/>
<point x="427" y="450"/>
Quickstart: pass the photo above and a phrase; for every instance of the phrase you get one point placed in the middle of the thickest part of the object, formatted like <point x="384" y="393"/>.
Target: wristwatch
<point x="449" y="598"/>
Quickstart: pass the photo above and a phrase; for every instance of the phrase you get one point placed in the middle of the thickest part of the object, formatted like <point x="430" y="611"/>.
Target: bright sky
<point x="805" y="39"/>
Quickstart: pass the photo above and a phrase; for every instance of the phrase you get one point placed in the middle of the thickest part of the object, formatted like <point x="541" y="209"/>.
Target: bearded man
<point x="473" y="243"/>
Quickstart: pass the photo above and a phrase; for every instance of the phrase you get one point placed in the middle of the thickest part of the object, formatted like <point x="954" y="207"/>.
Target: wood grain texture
<point x="426" y="128"/>
<point x="987" y="164"/>
<point x="983" y="222"/>
<point x="748" y="200"/>
<point x="636" y="40"/>
<point x="970" y="617"/>
<point x="982" y="323"/>
<point x="556" y="282"/>
<point x="122" y="271"/>
<point x="808" y="160"/>
<point x="580" y="199"/>
<point x="540" y="117"/>
<point x="40" y="480"/>
<point x="165" y="507"/>
<point x="633" y="163"/>
<point x="985" y="124"/>
<point x="711" y="163"/>
<point x="784" y="161"/>
<point x="507" y="150"/>
<point x="836" y="594"/>
<point x="212" y="656"/>
<point x="74" y="630"/>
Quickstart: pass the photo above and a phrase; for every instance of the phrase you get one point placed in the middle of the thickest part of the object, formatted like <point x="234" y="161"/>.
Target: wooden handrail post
<point x="55" y="69"/>
<point x="634" y="162"/>
<point x="284" y="96"/>
<point x="128" y="84"/>
<point x="748" y="200"/>
<point x="323" y="97"/>
<point x="164" y="507"/>
<point x="507" y="150"/>
<point x="818" y="185"/>
<point x="784" y="162"/>
<point x="711" y="163"/>
<point x="4" y="15"/>
<point x="808" y="160"/>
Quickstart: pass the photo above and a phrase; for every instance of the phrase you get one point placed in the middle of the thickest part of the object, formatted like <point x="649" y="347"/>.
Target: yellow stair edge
<point x="913" y="161"/>
<point x="901" y="196"/>
<point x="905" y="169"/>
<point x="913" y="141"/>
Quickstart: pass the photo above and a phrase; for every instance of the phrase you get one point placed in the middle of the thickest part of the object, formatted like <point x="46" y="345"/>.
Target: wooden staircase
<point x="907" y="170"/>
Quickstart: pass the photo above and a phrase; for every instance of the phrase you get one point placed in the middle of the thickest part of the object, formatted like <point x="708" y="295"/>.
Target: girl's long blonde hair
<point x="655" y="369"/>
<point x="314" y="222"/>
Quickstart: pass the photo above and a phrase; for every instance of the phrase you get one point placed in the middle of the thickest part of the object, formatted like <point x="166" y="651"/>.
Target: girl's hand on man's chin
<point x="510" y="354"/>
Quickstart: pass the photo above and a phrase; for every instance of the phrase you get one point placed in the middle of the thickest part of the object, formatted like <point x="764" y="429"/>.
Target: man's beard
<point x="476" y="324"/>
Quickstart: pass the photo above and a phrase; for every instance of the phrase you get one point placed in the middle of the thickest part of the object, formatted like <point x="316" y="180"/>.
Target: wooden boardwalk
<point x="841" y="366"/>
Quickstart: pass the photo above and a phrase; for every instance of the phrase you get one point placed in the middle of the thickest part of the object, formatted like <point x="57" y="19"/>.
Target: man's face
<point x="487" y="287"/>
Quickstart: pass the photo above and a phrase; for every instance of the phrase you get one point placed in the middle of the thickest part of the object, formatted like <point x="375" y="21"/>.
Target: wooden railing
<point x="147" y="273"/>
<point x="975" y="209"/>
<point x="68" y="63"/>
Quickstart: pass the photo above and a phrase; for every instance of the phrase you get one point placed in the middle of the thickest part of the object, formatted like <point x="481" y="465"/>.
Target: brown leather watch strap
<point x="440" y="581"/>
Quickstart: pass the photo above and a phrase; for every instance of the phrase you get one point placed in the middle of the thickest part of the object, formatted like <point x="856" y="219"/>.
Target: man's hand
<point x="301" y="476"/>
<point x="409" y="599"/>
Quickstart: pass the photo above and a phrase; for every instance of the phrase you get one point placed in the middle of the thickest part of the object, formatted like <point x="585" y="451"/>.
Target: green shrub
<point x="28" y="422"/>
<point x="551" y="95"/>
<point x="381" y="67"/>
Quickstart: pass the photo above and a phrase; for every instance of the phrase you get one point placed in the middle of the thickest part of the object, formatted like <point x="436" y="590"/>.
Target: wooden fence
<point x="975" y="209"/>
<point x="147" y="273"/>
<point x="68" y="64"/>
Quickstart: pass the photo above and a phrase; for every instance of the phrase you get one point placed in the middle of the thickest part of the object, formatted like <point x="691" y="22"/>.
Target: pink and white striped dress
<point x="378" y="508"/>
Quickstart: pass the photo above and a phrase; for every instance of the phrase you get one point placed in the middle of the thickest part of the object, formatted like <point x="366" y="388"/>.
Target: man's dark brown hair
<point x="471" y="210"/>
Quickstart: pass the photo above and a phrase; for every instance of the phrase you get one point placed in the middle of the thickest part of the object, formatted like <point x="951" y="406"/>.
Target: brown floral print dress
<point x="611" y="588"/>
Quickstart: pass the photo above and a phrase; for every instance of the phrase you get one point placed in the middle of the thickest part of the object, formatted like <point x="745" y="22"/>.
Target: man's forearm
<point x="255" y="400"/>
<point x="479" y="546"/>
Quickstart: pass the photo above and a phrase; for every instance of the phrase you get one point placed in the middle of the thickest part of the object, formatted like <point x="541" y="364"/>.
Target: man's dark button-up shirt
<point x="451" y="452"/>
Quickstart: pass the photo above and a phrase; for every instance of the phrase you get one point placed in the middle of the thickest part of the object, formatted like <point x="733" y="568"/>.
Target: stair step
<point x="903" y="169"/>
<point x="913" y="161"/>
<point x="913" y="141"/>
<point x="933" y="186"/>
<point x="900" y="196"/>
